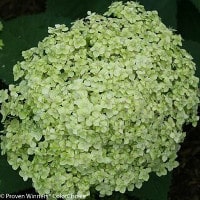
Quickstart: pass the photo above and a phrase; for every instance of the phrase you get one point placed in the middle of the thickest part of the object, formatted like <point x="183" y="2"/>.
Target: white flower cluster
<point x="100" y="105"/>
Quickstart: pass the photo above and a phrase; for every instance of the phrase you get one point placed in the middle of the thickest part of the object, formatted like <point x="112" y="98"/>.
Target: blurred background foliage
<point x="25" y="24"/>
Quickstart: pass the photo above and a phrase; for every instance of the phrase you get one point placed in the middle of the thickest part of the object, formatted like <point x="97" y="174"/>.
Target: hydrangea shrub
<point x="101" y="105"/>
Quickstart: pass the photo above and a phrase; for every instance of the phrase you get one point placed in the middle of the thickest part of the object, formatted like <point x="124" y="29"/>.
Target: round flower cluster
<point x="101" y="105"/>
<point x="1" y="42"/>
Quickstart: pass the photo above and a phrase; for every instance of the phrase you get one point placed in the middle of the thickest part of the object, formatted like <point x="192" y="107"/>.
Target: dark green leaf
<point x="196" y="3"/>
<point x="188" y="21"/>
<point x="76" y="9"/>
<point x="155" y="189"/>
<point x="194" y="49"/>
<point x="10" y="181"/>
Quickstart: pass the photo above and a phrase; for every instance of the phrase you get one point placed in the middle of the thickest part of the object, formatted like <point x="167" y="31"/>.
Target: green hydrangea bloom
<point x="1" y="42"/>
<point x="100" y="105"/>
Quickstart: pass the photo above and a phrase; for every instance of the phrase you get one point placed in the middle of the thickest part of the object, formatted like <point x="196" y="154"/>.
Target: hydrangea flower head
<point x="100" y="105"/>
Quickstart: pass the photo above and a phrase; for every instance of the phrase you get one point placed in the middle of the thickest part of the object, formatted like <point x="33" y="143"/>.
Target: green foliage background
<point x="24" y="32"/>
